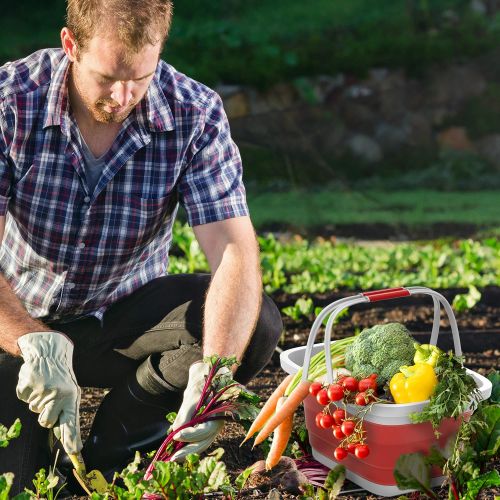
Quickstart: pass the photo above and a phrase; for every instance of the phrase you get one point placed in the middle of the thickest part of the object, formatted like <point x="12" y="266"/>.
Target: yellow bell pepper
<point x="413" y="383"/>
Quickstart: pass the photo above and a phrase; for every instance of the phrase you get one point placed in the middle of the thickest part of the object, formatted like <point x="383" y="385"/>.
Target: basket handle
<point x="335" y="308"/>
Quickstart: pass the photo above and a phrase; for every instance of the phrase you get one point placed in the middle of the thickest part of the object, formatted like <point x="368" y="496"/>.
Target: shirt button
<point x="81" y="245"/>
<point x="70" y="286"/>
<point x="86" y="199"/>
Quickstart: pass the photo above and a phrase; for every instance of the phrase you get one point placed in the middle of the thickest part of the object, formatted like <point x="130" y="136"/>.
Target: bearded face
<point x="108" y="80"/>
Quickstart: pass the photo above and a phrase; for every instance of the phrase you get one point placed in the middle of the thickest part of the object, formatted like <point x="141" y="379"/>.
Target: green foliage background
<point x="265" y="41"/>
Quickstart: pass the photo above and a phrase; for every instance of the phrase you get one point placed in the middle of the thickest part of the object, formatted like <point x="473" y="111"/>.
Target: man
<point x="99" y="143"/>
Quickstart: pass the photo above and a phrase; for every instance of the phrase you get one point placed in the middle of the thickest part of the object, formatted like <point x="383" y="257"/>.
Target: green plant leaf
<point x="334" y="481"/>
<point x="412" y="472"/>
<point x="242" y="478"/>
<point x="464" y="302"/>
<point x="487" y="441"/>
<point x="6" y="481"/>
<point x="494" y="378"/>
<point x="473" y="487"/>
<point x="6" y="434"/>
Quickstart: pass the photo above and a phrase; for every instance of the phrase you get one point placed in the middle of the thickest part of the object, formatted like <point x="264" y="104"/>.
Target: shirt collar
<point x="57" y="105"/>
<point x="153" y="111"/>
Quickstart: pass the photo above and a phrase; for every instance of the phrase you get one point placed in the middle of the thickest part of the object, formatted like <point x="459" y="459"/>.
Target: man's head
<point x="114" y="47"/>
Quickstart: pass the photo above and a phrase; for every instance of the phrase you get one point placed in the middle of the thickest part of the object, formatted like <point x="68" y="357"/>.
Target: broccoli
<point x="381" y="349"/>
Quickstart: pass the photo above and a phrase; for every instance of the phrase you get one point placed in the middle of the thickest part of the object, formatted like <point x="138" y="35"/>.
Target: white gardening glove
<point x="48" y="384"/>
<point x="201" y="436"/>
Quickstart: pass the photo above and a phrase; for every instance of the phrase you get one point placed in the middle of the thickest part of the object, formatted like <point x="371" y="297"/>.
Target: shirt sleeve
<point x="211" y="188"/>
<point x="5" y="171"/>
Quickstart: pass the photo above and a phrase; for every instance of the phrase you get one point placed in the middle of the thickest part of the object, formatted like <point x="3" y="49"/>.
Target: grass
<point x="412" y="208"/>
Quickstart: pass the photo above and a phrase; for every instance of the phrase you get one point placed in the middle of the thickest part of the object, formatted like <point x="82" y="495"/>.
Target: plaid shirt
<point x="69" y="253"/>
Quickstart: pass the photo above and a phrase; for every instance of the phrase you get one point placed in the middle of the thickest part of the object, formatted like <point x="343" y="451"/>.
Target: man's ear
<point x="68" y="43"/>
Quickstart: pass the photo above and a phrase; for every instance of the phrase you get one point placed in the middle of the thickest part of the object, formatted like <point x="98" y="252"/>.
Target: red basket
<point x="389" y="430"/>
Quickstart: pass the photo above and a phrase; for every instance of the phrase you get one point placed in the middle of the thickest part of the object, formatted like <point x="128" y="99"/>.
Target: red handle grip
<point x="386" y="293"/>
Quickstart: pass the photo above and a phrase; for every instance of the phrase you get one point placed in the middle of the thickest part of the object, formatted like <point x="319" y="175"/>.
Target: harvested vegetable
<point x="455" y="392"/>
<point x="221" y="398"/>
<point x="413" y="383"/>
<point x="427" y="353"/>
<point x="268" y="409"/>
<point x="288" y="408"/>
<point x="381" y="349"/>
<point x="281" y="436"/>
<point x="317" y="366"/>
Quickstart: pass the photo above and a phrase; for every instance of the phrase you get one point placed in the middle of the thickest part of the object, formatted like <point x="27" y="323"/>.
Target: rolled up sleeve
<point x="211" y="188"/>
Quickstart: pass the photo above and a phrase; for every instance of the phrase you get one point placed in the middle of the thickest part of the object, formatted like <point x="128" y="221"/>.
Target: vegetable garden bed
<point x="480" y="335"/>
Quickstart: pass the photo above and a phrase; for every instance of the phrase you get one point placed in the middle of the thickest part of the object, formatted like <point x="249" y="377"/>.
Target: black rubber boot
<point x="129" y="419"/>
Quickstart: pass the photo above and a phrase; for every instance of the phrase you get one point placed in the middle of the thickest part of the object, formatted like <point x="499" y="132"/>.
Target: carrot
<point x="288" y="408"/>
<point x="280" y="438"/>
<point x="268" y="409"/>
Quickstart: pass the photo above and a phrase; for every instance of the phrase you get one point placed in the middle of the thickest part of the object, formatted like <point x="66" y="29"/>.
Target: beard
<point x="96" y="107"/>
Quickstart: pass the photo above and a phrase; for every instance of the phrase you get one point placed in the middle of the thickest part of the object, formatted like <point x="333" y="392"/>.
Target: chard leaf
<point x="489" y="480"/>
<point x="245" y="411"/>
<point x="334" y="481"/>
<point x="488" y="437"/>
<point x="242" y="478"/>
<point x="11" y="433"/>
<point x="494" y="378"/>
<point x="412" y="472"/>
<point x="6" y="481"/>
<point x="215" y="473"/>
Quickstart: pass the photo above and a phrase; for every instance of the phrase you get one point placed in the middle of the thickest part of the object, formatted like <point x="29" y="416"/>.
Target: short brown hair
<point x="136" y="22"/>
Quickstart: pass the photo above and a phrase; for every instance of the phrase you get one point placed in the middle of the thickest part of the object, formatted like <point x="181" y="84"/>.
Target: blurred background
<point x="354" y="118"/>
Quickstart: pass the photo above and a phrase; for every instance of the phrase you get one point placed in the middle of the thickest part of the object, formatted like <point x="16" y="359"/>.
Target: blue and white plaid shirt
<point x="69" y="253"/>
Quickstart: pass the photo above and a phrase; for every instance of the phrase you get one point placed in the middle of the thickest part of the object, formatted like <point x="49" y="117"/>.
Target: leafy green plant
<point x="7" y="434"/>
<point x="190" y="480"/>
<point x="304" y="267"/>
<point x="331" y="488"/>
<point x="464" y="302"/>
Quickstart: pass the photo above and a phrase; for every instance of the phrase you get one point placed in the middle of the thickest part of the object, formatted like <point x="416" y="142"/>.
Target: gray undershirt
<point x="93" y="166"/>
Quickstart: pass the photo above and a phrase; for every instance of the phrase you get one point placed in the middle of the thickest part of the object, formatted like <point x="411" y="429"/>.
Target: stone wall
<point x="455" y="106"/>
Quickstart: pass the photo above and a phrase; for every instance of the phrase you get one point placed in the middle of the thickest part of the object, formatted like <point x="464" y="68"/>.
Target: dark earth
<point x="480" y="336"/>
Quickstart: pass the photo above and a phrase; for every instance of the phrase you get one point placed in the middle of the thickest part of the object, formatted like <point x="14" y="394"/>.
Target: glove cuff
<point x="46" y="345"/>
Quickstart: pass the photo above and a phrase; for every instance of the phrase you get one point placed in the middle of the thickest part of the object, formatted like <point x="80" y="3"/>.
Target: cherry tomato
<point x="351" y="447"/>
<point x="318" y="419"/>
<point x="362" y="451"/>
<point x="350" y="384"/>
<point x="314" y="388"/>
<point x="337" y="432"/>
<point x="361" y="399"/>
<point x="339" y="416"/>
<point x="348" y="427"/>
<point x="335" y="392"/>
<point x="341" y="379"/>
<point x="322" y="397"/>
<point x="326" y="421"/>
<point x="340" y="453"/>
<point x="368" y="383"/>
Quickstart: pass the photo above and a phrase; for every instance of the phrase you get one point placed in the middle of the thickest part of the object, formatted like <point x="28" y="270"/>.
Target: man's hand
<point x="48" y="384"/>
<point x="201" y="436"/>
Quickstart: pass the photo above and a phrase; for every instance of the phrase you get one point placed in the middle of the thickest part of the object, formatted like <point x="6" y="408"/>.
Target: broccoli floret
<point x="378" y="350"/>
<point x="392" y="368"/>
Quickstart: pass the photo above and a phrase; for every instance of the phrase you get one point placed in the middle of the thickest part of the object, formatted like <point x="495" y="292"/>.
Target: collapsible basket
<point x="389" y="430"/>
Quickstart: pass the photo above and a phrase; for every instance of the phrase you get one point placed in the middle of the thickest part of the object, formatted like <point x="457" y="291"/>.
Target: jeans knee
<point x="270" y="322"/>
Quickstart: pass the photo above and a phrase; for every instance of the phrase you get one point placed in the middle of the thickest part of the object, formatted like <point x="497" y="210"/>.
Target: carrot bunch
<point x="277" y="413"/>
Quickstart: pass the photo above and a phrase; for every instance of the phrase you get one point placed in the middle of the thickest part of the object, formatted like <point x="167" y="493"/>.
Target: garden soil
<point x="480" y="336"/>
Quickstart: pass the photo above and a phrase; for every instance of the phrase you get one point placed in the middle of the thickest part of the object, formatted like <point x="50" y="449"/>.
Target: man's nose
<point x="121" y="93"/>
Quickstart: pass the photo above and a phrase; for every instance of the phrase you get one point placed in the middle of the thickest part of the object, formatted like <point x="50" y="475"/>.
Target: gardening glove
<point x="48" y="384"/>
<point x="201" y="436"/>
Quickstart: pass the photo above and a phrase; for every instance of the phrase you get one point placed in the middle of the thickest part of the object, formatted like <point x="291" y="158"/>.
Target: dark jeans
<point x="159" y="325"/>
